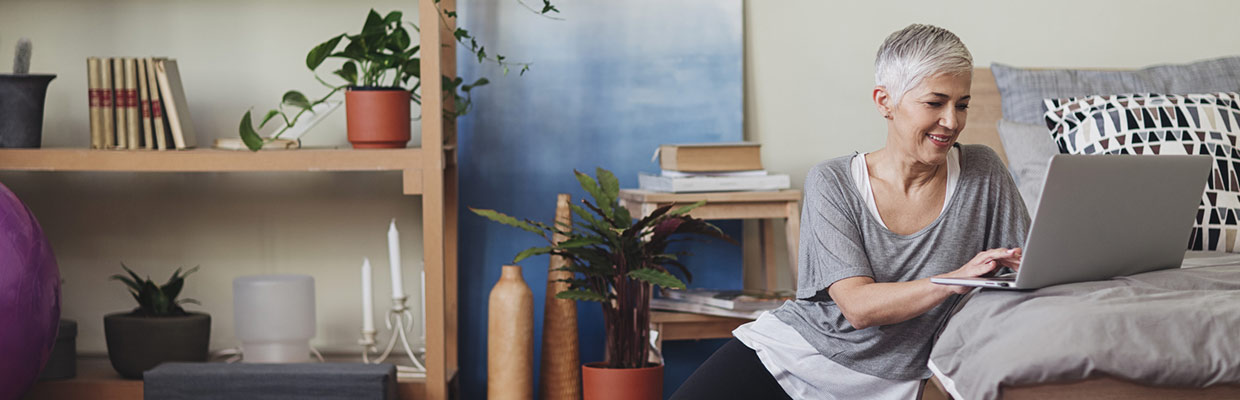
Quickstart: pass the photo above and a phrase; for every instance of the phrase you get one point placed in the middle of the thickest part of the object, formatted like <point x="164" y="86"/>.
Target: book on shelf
<point x="666" y="304"/>
<point x="144" y="106"/>
<point x="682" y="174"/>
<point x="157" y="114"/>
<point x="120" y="138"/>
<point x="733" y="299"/>
<point x="175" y="106"/>
<point x="132" y="122"/>
<point x="94" y="92"/>
<point x="694" y="184"/>
<point x="106" y="104"/>
<point x="699" y="157"/>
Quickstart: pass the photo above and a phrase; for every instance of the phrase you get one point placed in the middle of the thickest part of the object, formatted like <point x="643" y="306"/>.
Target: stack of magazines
<point x="748" y="304"/>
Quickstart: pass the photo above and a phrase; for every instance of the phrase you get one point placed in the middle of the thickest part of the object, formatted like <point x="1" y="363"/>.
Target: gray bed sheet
<point x="1176" y="327"/>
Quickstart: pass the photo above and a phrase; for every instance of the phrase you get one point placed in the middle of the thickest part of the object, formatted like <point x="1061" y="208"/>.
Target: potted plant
<point x="22" y="96"/>
<point x="381" y="73"/>
<point x="159" y="330"/>
<point x="617" y="261"/>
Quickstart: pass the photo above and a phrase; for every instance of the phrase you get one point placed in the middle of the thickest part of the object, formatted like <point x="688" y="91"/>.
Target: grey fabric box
<point x="201" y="381"/>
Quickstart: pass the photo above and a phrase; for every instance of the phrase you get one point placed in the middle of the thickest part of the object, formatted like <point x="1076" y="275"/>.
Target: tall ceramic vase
<point x="510" y="338"/>
<point x="21" y="109"/>
<point x="561" y="359"/>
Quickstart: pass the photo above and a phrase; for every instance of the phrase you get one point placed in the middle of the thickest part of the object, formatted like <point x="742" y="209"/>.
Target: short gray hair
<point x="917" y="52"/>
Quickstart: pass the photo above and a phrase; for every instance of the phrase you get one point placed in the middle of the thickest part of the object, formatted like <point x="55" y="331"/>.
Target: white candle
<point x="368" y="303"/>
<point x="398" y="287"/>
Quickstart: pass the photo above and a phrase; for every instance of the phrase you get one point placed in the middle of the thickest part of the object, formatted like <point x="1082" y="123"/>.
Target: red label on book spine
<point x="106" y="99"/>
<point x="146" y="109"/>
<point x="133" y="97"/>
<point x="156" y="112"/>
<point x="94" y="96"/>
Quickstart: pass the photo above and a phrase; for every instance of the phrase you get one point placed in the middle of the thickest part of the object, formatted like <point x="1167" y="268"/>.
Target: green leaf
<point x="320" y="52"/>
<point x="506" y="220"/>
<point x="270" y="114"/>
<point x="374" y="23"/>
<point x="530" y="252"/>
<point x="348" y="72"/>
<point x="296" y="99"/>
<point x="460" y="34"/>
<point x="400" y="40"/>
<point x="582" y="295"/>
<point x="482" y="54"/>
<point x="595" y="191"/>
<point x="393" y="18"/>
<point x="581" y="241"/>
<point x="128" y="282"/>
<point x="686" y="209"/>
<point x="547" y="7"/>
<point x="480" y="82"/>
<point x="657" y="277"/>
<point x="248" y="135"/>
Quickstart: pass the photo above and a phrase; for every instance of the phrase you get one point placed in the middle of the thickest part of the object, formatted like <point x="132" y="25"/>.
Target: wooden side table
<point x="766" y="206"/>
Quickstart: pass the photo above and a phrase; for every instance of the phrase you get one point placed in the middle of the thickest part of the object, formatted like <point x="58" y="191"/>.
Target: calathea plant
<point x="383" y="55"/>
<point x="617" y="260"/>
<point x="156" y="300"/>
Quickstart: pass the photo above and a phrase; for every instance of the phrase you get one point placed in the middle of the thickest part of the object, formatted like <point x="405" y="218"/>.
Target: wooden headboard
<point x="984" y="113"/>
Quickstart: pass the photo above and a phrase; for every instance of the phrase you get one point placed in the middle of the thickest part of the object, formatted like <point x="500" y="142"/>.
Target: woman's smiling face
<point x="929" y="117"/>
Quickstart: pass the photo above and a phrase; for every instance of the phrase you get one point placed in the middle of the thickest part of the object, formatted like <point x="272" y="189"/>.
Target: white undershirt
<point x="798" y="367"/>
<point x="861" y="176"/>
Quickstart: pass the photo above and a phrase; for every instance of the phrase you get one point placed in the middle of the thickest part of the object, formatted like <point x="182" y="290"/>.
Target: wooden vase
<point x="560" y="377"/>
<point x="510" y="338"/>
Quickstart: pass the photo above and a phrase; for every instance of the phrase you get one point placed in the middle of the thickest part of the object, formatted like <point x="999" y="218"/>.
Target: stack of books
<point x="711" y="167"/>
<point x="724" y="303"/>
<point x="137" y="103"/>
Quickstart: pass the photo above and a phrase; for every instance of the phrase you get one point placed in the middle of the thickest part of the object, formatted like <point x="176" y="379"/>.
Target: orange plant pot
<point x="378" y="118"/>
<point x="600" y="383"/>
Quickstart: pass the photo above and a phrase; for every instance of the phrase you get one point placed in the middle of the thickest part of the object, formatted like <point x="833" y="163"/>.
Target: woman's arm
<point x="866" y="303"/>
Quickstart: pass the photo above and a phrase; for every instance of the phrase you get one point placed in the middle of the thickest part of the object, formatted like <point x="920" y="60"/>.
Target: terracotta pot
<point x="510" y="338"/>
<point x="378" y="118"/>
<point x="138" y="343"/>
<point x="601" y="383"/>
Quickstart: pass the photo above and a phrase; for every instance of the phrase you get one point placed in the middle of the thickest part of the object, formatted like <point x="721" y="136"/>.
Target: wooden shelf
<point x="96" y="380"/>
<point x="408" y="161"/>
<point x="685" y="326"/>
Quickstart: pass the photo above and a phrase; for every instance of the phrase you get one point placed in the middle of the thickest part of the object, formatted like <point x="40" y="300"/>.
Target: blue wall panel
<point x="610" y="82"/>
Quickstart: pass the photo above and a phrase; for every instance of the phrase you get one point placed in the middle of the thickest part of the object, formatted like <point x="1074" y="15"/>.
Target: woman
<point x="876" y="227"/>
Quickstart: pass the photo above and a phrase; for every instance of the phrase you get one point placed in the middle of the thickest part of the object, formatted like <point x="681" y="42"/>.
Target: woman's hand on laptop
<point x="982" y="264"/>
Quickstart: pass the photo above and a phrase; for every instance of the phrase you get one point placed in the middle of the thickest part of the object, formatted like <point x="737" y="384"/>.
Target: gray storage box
<point x="201" y="381"/>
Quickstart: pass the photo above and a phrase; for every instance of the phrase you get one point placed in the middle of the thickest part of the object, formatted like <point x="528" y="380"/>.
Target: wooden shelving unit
<point x="429" y="171"/>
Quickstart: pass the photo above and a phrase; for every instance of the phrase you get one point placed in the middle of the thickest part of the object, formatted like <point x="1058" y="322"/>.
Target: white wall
<point x="809" y="65"/>
<point x="808" y="77"/>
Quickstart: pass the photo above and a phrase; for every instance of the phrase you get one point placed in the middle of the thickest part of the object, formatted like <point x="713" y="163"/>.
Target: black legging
<point x="733" y="372"/>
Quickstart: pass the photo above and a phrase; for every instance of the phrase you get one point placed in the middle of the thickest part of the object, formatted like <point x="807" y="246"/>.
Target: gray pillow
<point x="1029" y="149"/>
<point x="1023" y="90"/>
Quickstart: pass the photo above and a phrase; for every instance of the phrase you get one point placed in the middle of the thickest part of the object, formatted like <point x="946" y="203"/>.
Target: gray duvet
<point x="1175" y="327"/>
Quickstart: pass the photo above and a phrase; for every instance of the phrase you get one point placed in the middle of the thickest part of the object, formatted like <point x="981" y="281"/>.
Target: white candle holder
<point x="399" y="321"/>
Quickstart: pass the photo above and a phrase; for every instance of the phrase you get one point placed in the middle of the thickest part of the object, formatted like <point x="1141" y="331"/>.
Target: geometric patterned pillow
<point x="1154" y="124"/>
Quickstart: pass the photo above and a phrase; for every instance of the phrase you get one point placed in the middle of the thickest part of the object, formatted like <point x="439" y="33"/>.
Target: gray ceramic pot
<point x="21" y="109"/>
<point x="138" y="343"/>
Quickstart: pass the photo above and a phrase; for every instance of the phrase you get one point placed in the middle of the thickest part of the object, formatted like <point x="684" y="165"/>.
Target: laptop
<point x="1102" y="216"/>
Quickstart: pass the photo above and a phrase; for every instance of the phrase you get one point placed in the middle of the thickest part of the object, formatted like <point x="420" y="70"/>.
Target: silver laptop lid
<point x="1102" y="216"/>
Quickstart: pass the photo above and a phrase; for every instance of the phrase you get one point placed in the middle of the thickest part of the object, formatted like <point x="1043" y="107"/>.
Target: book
<point x="737" y="299"/>
<point x="713" y="183"/>
<point x="132" y="121"/>
<point x="121" y="139"/>
<point x="157" y="114"/>
<point x="682" y="174"/>
<point x="175" y="106"/>
<point x="737" y="156"/>
<point x="106" y="101"/>
<point x="94" y="92"/>
<point x="144" y="106"/>
<point x="666" y="304"/>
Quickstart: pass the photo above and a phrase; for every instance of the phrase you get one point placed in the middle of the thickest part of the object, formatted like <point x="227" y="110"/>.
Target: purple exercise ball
<point x="29" y="297"/>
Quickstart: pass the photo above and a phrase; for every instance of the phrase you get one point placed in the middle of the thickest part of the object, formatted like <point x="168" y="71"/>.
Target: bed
<point x="985" y="113"/>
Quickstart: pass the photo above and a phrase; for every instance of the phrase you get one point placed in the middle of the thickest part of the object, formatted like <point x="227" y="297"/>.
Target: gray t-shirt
<point x="841" y="239"/>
